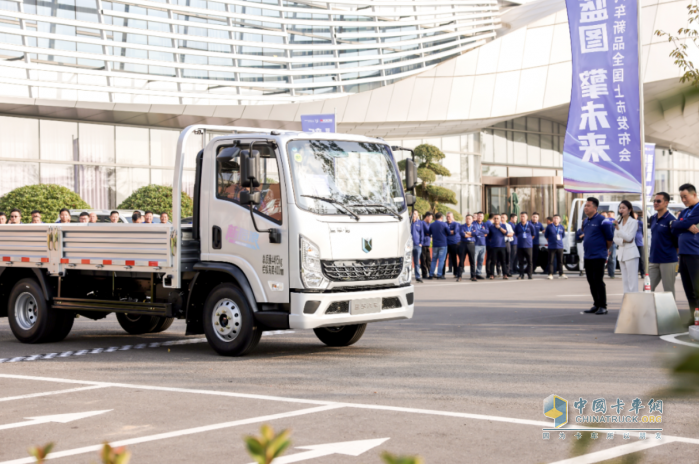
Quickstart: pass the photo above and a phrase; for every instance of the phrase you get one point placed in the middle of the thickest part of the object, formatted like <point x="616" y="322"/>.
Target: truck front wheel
<point x="136" y="324"/>
<point x="229" y="323"/>
<point x="30" y="318"/>
<point x="345" y="335"/>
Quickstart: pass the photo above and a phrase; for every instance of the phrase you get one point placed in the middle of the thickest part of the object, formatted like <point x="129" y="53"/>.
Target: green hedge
<point x="157" y="198"/>
<point x="47" y="198"/>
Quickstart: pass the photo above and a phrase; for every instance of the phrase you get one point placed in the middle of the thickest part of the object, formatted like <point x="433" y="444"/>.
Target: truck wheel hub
<point x="226" y="320"/>
<point x="26" y="311"/>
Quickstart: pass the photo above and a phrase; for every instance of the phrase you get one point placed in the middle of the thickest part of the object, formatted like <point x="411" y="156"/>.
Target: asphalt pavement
<point x="463" y="381"/>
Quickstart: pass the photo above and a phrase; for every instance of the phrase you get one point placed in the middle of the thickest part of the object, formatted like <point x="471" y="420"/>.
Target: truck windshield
<point x="352" y="178"/>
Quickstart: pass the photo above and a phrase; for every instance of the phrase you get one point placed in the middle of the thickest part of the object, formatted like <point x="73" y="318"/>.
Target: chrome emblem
<point x="366" y="245"/>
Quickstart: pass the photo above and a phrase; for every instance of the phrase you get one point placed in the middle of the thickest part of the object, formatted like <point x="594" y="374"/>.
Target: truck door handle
<point x="216" y="238"/>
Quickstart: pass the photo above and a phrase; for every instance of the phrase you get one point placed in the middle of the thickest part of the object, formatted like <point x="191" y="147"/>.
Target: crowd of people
<point x="512" y="247"/>
<point x="507" y="248"/>
<point x="64" y="217"/>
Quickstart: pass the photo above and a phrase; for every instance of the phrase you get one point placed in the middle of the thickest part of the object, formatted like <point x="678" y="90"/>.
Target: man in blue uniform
<point x="418" y="235"/>
<point x="514" y="268"/>
<point x="538" y="227"/>
<point x="467" y="247"/>
<point x="439" y="230"/>
<point x="639" y="244"/>
<point x="496" y="233"/>
<point x="480" y="244"/>
<point x="453" y="240"/>
<point x="597" y="237"/>
<point x="426" y="255"/>
<point x="663" y="247"/>
<point x="524" y="232"/>
<point x="554" y="235"/>
<point x="687" y="233"/>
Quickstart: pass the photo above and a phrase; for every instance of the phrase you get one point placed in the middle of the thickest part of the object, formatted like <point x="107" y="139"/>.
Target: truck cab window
<point x="228" y="180"/>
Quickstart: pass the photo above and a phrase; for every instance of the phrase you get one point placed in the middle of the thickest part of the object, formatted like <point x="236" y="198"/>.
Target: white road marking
<point x="57" y="392"/>
<point x="112" y="349"/>
<point x="61" y="418"/>
<point x="348" y="448"/>
<point x="615" y="452"/>
<point x="177" y="433"/>
<point x="587" y="294"/>
<point x="672" y="339"/>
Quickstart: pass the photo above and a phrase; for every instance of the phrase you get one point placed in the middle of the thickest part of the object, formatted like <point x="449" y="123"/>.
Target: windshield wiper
<point x="334" y="202"/>
<point x="391" y="211"/>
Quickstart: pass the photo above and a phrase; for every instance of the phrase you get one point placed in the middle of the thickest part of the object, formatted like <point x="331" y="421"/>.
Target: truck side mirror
<point x="250" y="198"/>
<point x="249" y="172"/>
<point x="410" y="174"/>
<point x="410" y="199"/>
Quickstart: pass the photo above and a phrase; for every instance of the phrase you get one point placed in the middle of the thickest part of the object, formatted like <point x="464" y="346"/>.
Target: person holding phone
<point x="625" y="228"/>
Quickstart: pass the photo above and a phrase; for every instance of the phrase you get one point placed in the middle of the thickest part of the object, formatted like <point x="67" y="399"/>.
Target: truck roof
<point x="285" y="136"/>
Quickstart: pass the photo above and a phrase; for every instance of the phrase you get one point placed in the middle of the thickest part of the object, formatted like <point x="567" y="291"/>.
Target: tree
<point x="47" y="198"/>
<point x="432" y="197"/>
<point x="679" y="53"/>
<point x="157" y="198"/>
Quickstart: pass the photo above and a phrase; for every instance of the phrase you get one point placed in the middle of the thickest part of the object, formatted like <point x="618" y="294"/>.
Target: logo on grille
<point x="366" y="245"/>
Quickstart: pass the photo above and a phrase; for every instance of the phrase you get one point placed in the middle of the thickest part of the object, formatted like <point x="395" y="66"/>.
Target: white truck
<point x="290" y="230"/>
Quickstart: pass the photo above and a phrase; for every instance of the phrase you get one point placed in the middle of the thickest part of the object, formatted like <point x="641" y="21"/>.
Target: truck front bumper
<point x="316" y="305"/>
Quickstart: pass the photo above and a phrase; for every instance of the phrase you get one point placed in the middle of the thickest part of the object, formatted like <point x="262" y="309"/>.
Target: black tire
<point x="137" y="324"/>
<point x="63" y="326"/>
<point x="229" y="323"/>
<point x="163" y="324"/>
<point x="345" y="335"/>
<point x="572" y="267"/>
<point x="28" y="313"/>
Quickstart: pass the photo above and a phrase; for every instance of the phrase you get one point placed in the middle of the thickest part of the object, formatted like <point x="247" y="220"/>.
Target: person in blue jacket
<point x="597" y="235"/>
<point x="554" y="235"/>
<point x="439" y="230"/>
<point x="418" y="234"/>
<point x="687" y="232"/>
<point x="538" y="227"/>
<point x="514" y="267"/>
<point x="524" y="231"/>
<point x="453" y="241"/>
<point x="426" y="254"/>
<point x="663" y="247"/>
<point x="468" y="234"/>
<point x="639" y="244"/>
<point x="480" y="243"/>
<point x="496" y="234"/>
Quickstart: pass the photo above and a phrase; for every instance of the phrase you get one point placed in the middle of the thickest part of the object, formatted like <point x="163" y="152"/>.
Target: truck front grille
<point x="368" y="269"/>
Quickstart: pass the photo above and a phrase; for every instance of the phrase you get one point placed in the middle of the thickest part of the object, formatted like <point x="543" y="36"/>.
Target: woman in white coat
<point x="627" y="253"/>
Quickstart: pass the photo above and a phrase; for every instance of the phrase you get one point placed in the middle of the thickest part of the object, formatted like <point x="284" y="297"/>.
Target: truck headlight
<point x="311" y="270"/>
<point x="406" y="274"/>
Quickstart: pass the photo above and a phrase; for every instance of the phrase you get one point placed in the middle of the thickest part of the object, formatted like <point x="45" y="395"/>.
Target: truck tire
<point x="137" y="324"/>
<point x="63" y="326"/>
<point x="163" y="324"/>
<point x="229" y="323"/>
<point x="30" y="318"/>
<point x="345" y="335"/>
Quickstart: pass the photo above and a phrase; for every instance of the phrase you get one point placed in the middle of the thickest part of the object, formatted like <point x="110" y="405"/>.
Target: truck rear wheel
<point x="345" y="335"/>
<point x="229" y="323"/>
<point x="31" y="320"/>
<point x="137" y="324"/>
<point x="163" y="324"/>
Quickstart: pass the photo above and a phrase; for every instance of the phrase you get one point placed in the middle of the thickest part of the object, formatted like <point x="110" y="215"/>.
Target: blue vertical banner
<point x="318" y="123"/>
<point x="650" y="170"/>
<point x="602" y="149"/>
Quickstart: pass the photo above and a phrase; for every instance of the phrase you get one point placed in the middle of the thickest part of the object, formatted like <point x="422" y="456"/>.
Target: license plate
<point x="365" y="306"/>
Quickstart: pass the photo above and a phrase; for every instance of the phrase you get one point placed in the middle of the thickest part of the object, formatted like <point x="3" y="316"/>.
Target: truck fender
<point x="233" y="271"/>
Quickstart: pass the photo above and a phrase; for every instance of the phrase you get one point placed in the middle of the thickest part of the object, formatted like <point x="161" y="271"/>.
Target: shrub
<point x="157" y="198"/>
<point x="47" y="198"/>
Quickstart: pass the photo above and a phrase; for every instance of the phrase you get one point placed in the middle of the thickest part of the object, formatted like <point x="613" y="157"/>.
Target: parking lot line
<point x="615" y="452"/>
<point x="178" y="433"/>
<point x="57" y="392"/>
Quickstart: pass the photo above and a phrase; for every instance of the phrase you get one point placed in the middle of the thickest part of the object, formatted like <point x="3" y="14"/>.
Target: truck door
<point x="234" y="236"/>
